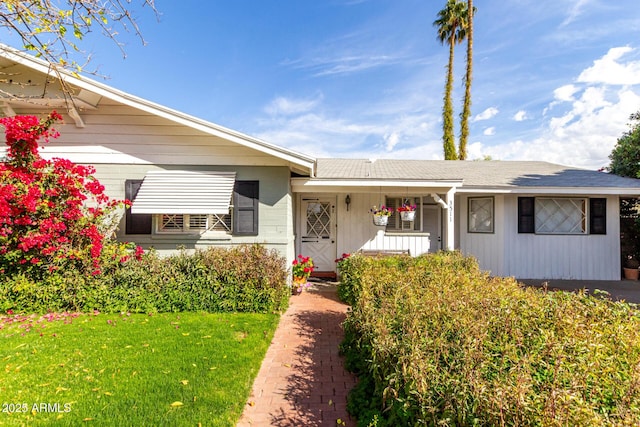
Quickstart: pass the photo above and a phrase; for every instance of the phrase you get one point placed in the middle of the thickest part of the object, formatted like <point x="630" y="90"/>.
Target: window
<point x="561" y="216"/>
<point x="546" y="215"/>
<point x="480" y="219"/>
<point x="193" y="223"/>
<point x="169" y="199"/>
<point x="395" y="221"/>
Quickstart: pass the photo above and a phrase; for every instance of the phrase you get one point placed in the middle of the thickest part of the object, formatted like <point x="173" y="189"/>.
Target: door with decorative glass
<point x="318" y="232"/>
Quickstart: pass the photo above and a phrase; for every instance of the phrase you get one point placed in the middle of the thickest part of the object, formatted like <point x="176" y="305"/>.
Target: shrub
<point x="52" y="212"/>
<point x="243" y="279"/>
<point x="444" y="344"/>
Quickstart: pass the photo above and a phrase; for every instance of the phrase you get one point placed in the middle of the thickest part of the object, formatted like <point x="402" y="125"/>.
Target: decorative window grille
<point x="171" y="223"/>
<point x="318" y="220"/>
<point x="197" y="222"/>
<point x="560" y="216"/>
<point x="220" y="223"/>
<point x="480" y="218"/>
<point x="183" y="223"/>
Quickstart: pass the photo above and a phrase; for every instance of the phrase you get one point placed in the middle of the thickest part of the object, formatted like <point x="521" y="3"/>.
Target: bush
<point x="53" y="213"/>
<point x="442" y="343"/>
<point x="243" y="279"/>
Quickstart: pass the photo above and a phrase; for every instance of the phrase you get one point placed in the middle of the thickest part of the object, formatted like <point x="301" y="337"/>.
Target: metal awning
<point x="184" y="192"/>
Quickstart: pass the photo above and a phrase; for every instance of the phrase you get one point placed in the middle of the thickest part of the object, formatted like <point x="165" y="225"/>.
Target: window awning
<point x="184" y="192"/>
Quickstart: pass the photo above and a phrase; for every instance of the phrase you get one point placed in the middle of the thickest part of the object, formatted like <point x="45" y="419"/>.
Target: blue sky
<point x="554" y="80"/>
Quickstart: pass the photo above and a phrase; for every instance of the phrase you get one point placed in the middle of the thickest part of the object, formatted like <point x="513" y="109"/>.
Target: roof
<point x="477" y="175"/>
<point x="301" y="161"/>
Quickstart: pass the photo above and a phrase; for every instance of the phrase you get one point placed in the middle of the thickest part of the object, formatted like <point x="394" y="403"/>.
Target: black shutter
<point x="598" y="216"/>
<point x="526" y="214"/>
<point x="245" y="208"/>
<point x="135" y="223"/>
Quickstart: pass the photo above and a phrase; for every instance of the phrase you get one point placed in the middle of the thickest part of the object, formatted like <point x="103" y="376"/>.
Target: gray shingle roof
<point x="475" y="174"/>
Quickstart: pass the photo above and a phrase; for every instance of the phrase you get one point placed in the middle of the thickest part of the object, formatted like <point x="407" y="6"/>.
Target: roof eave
<point x="368" y="185"/>
<point x="618" y="191"/>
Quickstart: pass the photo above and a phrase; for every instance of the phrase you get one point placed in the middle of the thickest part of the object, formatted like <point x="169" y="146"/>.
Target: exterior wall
<point x="275" y="210"/>
<point x="355" y="229"/>
<point x="534" y="256"/>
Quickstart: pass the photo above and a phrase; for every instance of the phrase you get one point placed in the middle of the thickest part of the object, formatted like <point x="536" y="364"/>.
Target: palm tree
<point x="466" y="106"/>
<point x="451" y="25"/>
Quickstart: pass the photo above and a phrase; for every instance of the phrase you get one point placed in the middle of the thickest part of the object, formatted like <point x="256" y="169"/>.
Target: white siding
<point x="534" y="256"/>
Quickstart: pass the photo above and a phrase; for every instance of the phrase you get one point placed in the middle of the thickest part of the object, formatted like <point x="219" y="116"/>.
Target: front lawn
<point x="169" y="369"/>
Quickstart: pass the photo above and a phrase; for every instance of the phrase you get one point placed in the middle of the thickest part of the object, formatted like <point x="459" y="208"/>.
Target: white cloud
<point x="575" y="12"/>
<point x="608" y="70"/>
<point x="520" y="116"/>
<point x="565" y="93"/>
<point x="486" y="114"/>
<point x="290" y="106"/>
<point x="392" y="140"/>
<point x="489" y="131"/>
<point x="583" y="136"/>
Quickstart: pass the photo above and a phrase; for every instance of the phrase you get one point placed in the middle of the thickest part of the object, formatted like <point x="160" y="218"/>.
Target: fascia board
<point x="621" y="191"/>
<point x="366" y="185"/>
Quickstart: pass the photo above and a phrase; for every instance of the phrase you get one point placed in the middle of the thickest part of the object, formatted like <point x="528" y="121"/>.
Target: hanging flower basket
<point x="408" y="215"/>
<point x="381" y="215"/>
<point x="407" y="212"/>
<point x="380" y="220"/>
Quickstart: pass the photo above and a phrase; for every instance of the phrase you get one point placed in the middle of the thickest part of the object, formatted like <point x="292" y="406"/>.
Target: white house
<point x="195" y="184"/>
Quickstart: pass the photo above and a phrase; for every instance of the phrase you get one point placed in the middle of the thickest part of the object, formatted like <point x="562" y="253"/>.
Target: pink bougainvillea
<point x="51" y="211"/>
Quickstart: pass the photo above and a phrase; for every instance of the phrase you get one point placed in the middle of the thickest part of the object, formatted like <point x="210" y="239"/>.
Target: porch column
<point x="449" y="222"/>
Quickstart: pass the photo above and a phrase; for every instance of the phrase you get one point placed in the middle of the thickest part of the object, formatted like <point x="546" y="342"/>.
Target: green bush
<point x="243" y="279"/>
<point x="441" y="343"/>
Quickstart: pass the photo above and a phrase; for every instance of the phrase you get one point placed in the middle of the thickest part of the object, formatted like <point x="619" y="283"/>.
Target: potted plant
<point x="407" y="212"/>
<point x="381" y="215"/>
<point x="300" y="272"/>
<point x="631" y="268"/>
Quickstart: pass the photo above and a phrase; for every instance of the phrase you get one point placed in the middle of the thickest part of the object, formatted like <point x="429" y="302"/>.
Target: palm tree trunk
<point x="466" y="107"/>
<point x="447" y="110"/>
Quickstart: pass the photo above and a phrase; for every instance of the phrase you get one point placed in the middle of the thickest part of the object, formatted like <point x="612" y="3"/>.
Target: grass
<point x="147" y="370"/>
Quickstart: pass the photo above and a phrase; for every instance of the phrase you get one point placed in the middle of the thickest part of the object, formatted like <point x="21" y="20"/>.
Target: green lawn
<point x="177" y="369"/>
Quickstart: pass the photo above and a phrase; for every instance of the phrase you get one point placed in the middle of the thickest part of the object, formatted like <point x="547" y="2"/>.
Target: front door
<point x="318" y="233"/>
<point x="432" y="221"/>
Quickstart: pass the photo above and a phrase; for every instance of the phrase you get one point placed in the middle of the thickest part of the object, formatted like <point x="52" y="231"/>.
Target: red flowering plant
<point x="52" y="212"/>
<point x="406" y="208"/>
<point x="301" y="270"/>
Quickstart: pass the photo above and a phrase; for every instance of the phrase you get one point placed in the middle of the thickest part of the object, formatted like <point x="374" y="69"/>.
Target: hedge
<point x="435" y="341"/>
<point x="243" y="279"/>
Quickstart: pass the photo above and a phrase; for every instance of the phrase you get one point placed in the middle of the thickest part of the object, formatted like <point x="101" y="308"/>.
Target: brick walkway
<point x="302" y="381"/>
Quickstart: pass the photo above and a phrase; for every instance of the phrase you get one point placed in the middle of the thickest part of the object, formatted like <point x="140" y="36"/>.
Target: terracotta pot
<point x="631" y="273"/>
